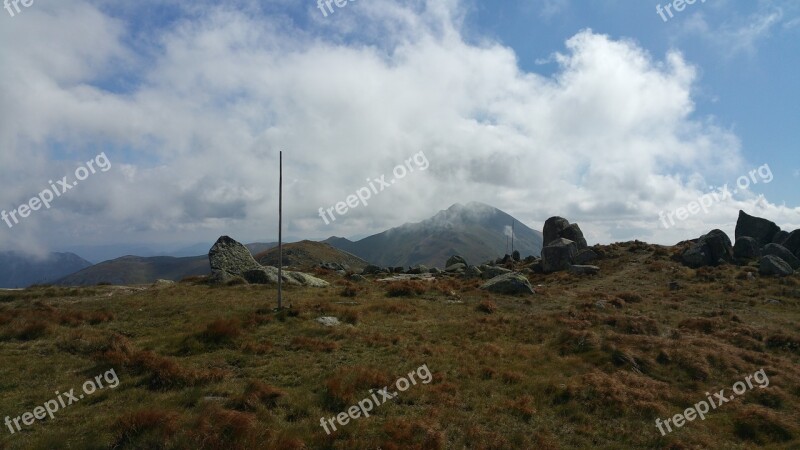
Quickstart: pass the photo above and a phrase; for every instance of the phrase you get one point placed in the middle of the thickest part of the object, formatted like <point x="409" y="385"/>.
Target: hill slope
<point x="18" y="270"/>
<point x="475" y="231"/>
<point x="138" y="270"/>
<point x="306" y="255"/>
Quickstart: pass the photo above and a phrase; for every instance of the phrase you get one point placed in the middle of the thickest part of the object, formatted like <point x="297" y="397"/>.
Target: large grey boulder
<point x="780" y="237"/>
<point x="455" y="259"/>
<point x="746" y="248"/>
<point x="782" y="253"/>
<point x="772" y="265"/>
<point x="559" y="255"/>
<point x="472" y="272"/>
<point x="509" y="284"/>
<point x="762" y="230"/>
<point x="573" y="233"/>
<point x="490" y="272"/>
<point x="371" y="270"/>
<point x="231" y="257"/>
<point x="553" y="228"/>
<point x="269" y="275"/>
<point x="710" y="249"/>
<point x="586" y="256"/>
<point x="458" y="267"/>
<point x="792" y="242"/>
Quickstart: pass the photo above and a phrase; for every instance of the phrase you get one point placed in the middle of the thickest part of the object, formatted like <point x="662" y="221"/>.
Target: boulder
<point x="455" y="259"/>
<point x="746" y="248"/>
<point x="586" y="256"/>
<point x="434" y="271"/>
<point x="490" y="272"/>
<point x="229" y="256"/>
<point x="762" y="230"/>
<point x="573" y="233"/>
<point x="458" y="267"/>
<point x="335" y="267"/>
<point x="472" y="272"/>
<point x="780" y="237"/>
<point x="710" y="249"/>
<point x="515" y="255"/>
<point x="163" y="283"/>
<point x="579" y="269"/>
<point x="269" y="275"/>
<point x="304" y="279"/>
<point x="782" y="253"/>
<point x="559" y="255"/>
<point x="371" y="270"/>
<point x="418" y="270"/>
<point x="553" y="228"/>
<point x="357" y="278"/>
<point x="262" y="276"/>
<point x="772" y="265"/>
<point x="509" y="284"/>
<point x="792" y="242"/>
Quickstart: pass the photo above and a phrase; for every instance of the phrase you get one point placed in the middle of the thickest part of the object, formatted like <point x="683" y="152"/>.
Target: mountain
<point x="138" y="270"/>
<point x="306" y="255"/>
<point x="476" y="231"/>
<point x="18" y="270"/>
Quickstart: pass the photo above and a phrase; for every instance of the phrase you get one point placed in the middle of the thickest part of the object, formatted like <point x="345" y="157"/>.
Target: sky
<point x="167" y="117"/>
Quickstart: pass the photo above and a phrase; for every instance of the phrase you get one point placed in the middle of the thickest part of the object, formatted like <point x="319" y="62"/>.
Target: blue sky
<point x="597" y="111"/>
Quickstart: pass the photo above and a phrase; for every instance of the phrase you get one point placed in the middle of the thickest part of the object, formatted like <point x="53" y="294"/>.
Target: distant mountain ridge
<point x="18" y="270"/>
<point x="476" y="231"/>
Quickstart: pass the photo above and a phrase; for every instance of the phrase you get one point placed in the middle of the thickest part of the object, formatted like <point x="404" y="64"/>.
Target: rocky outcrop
<point x="579" y="269"/>
<point x="490" y="272"/>
<point x="509" y="284"/>
<point x="559" y="255"/>
<point x="229" y="256"/>
<point x="762" y="230"/>
<point x="559" y="227"/>
<point x="455" y="259"/>
<point x="230" y="260"/>
<point x="711" y="249"/>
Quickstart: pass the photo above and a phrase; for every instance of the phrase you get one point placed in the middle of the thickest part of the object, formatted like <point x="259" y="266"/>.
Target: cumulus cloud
<point x="193" y="122"/>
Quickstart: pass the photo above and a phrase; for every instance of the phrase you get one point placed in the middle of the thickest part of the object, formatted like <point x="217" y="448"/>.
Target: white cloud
<point x="609" y="141"/>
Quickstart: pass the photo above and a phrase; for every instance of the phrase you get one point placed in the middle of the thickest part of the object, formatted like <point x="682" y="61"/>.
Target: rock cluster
<point x="232" y="262"/>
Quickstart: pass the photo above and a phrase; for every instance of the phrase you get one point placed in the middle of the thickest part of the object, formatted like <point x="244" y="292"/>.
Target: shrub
<point x="258" y="393"/>
<point x="149" y="428"/>
<point x="405" y="288"/>
<point x="486" y="306"/>
<point x="221" y="331"/>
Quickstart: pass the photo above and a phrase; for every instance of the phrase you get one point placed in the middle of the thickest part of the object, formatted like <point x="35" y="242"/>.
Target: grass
<point x="585" y="363"/>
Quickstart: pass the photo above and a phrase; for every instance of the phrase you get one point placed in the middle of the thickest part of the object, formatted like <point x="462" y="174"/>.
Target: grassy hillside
<point x="307" y="255"/>
<point x="138" y="270"/>
<point x="588" y="362"/>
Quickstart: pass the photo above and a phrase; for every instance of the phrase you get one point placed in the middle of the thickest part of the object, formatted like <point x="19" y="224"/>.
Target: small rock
<point x="509" y="284"/>
<point x="455" y="259"/>
<point x="163" y="283"/>
<point x="674" y="286"/>
<point x="329" y="321"/>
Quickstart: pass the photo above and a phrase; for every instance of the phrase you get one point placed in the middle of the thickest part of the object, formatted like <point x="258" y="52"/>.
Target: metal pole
<point x="280" y="230"/>
<point x="512" y="237"/>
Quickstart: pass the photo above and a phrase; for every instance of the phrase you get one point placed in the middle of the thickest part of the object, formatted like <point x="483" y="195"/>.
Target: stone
<point x="515" y="255"/>
<point x="559" y="255"/>
<point x="472" y="272"/>
<point x="552" y="229"/>
<point x="357" y="278"/>
<point x="335" y="267"/>
<point x="746" y="248"/>
<point x="455" y="259"/>
<point x="458" y="267"/>
<point x="762" y="230"/>
<point x="163" y="283"/>
<point x="269" y="275"/>
<point x="780" y="237"/>
<point x="573" y="233"/>
<point x="586" y="256"/>
<point x="434" y="271"/>
<point x="792" y="242"/>
<point x="772" y="265"/>
<point x="509" y="284"/>
<point x="329" y="321"/>
<point x="229" y="256"/>
<point x="419" y="269"/>
<point x="782" y="253"/>
<point x="584" y="269"/>
<point x="710" y="249"/>
<point x="371" y="270"/>
<point x="490" y="272"/>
